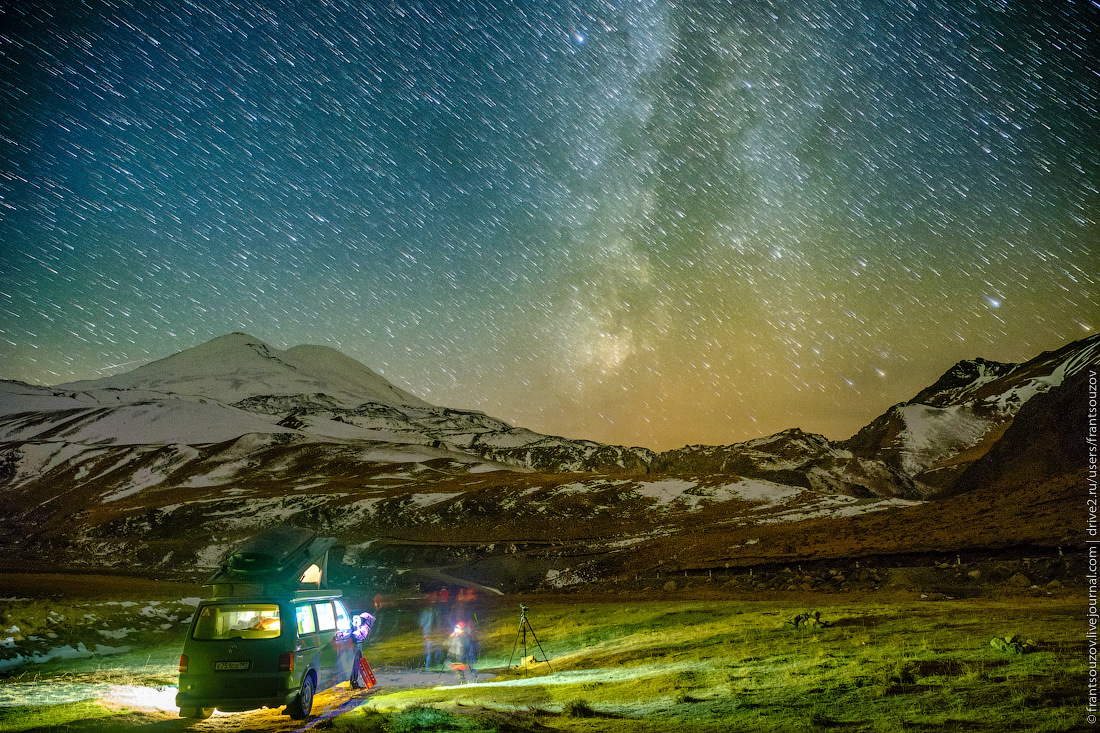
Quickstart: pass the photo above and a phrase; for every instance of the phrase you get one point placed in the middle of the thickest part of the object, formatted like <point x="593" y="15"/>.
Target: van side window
<point x="306" y="624"/>
<point x="326" y="619"/>
<point x="343" y="619"/>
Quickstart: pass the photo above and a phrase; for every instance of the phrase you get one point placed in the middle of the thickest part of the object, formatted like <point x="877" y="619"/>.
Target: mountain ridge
<point x="109" y="473"/>
<point x="237" y="383"/>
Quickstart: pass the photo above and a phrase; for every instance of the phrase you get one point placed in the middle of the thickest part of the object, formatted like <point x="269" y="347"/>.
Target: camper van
<point x="271" y="634"/>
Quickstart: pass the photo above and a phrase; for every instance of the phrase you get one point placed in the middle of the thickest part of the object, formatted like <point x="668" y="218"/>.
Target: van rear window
<point x="238" y="620"/>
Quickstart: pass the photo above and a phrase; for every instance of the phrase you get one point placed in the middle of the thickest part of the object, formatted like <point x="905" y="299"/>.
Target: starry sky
<point x="641" y="222"/>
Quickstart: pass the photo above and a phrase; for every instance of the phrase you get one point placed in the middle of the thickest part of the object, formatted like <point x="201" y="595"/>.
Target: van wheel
<point x="302" y="705"/>
<point x="200" y="713"/>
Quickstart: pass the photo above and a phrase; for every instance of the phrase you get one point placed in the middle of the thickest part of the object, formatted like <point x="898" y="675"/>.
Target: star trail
<point x="646" y="223"/>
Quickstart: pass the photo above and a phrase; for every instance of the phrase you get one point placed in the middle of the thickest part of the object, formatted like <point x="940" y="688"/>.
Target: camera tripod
<point x="524" y="627"/>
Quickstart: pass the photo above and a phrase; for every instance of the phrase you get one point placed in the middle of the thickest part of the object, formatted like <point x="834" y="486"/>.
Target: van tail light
<point x="286" y="662"/>
<point x="183" y="664"/>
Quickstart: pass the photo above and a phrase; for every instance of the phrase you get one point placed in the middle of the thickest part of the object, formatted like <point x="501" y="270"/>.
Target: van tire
<point x="199" y="713"/>
<point x="302" y="705"/>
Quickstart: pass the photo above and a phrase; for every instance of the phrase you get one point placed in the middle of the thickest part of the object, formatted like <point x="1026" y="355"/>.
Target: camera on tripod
<point x="524" y="627"/>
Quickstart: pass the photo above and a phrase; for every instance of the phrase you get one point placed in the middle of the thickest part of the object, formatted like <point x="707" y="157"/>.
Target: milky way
<point x="645" y="223"/>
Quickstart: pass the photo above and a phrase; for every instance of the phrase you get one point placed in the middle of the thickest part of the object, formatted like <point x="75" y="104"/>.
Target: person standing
<point x="460" y="651"/>
<point x="429" y="618"/>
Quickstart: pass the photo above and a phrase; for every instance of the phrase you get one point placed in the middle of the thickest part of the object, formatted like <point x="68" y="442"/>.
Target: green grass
<point x="46" y="716"/>
<point x="630" y="665"/>
<point x="740" y="665"/>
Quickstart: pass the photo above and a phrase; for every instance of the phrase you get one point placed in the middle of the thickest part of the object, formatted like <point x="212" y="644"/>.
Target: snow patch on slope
<point x="38" y="459"/>
<point x="664" y="492"/>
<point x="934" y="433"/>
<point x="109" y="417"/>
<point x="836" y="506"/>
<point x="690" y="494"/>
<point x="767" y="492"/>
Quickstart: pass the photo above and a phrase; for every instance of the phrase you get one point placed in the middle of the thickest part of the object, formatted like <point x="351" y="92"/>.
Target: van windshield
<point x="238" y="620"/>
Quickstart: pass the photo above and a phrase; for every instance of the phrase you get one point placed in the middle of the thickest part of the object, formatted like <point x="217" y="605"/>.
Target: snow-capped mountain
<point x="163" y="465"/>
<point x="934" y="437"/>
<point x="237" y="385"/>
<point x="237" y="366"/>
<point x="1046" y="439"/>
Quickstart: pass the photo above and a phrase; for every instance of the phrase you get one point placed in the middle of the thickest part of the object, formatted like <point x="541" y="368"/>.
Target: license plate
<point x="232" y="666"/>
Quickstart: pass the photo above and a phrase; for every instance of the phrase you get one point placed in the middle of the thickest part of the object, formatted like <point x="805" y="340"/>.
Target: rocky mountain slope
<point x="166" y="466"/>
<point x="917" y="449"/>
<point x="942" y="431"/>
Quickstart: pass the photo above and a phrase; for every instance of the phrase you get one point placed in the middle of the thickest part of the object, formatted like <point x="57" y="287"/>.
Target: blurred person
<point x="460" y="651"/>
<point x="429" y="619"/>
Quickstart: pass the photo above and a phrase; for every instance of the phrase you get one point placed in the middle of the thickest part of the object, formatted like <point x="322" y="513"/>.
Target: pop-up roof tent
<point x="279" y="561"/>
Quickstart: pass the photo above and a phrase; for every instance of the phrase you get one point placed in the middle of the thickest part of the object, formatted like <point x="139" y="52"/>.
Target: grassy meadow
<point x="870" y="664"/>
<point x="885" y="660"/>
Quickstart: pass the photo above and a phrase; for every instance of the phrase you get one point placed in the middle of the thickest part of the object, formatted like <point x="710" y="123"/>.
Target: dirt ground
<point x="91" y="586"/>
<point x="140" y="715"/>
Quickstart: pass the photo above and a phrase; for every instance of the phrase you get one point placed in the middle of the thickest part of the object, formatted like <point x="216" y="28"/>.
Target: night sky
<point x="640" y="222"/>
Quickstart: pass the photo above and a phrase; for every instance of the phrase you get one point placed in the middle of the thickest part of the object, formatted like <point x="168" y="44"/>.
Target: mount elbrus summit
<point x="163" y="468"/>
